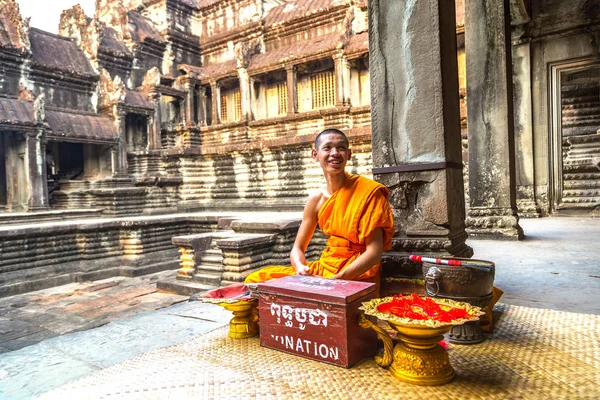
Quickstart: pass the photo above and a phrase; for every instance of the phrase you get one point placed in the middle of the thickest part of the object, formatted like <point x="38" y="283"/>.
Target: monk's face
<point x="333" y="153"/>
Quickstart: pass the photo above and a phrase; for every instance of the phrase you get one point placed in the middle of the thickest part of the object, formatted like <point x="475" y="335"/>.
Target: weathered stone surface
<point x="492" y="211"/>
<point x="415" y="126"/>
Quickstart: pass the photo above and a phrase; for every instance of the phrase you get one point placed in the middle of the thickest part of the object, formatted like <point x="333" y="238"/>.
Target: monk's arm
<point x="305" y="233"/>
<point x="368" y="259"/>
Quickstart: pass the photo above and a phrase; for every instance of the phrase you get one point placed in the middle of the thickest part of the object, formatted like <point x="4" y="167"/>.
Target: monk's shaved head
<point x="331" y="131"/>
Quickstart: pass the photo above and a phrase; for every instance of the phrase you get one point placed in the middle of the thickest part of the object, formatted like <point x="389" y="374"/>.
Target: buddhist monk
<point x="352" y="210"/>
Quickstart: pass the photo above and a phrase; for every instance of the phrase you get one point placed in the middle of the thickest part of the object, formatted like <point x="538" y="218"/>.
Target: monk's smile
<point x="332" y="153"/>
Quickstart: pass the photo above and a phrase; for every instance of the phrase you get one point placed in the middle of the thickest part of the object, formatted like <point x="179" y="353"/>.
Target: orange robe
<point x="348" y="217"/>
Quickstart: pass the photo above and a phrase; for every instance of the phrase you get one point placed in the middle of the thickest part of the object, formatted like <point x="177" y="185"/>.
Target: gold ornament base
<point x="427" y="367"/>
<point x="244" y="323"/>
<point x="417" y="358"/>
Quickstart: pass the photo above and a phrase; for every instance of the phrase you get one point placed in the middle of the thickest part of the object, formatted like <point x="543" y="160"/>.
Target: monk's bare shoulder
<point x="315" y="201"/>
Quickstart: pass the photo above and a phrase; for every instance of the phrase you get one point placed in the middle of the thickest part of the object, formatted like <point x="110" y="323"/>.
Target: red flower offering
<point x="422" y="308"/>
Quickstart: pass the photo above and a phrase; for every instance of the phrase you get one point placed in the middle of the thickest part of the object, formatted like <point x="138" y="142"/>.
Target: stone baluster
<point x="190" y="248"/>
<point x="131" y="242"/>
<point x="490" y="121"/>
<point x="244" y="253"/>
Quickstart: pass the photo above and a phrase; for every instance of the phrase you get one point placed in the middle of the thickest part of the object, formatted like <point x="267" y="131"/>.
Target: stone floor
<point x="33" y="317"/>
<point x="557" y="267"/>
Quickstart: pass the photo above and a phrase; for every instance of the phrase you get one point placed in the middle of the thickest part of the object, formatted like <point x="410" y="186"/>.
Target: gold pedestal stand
<point x="244" y="323"/>
<point x="417" y="358"/>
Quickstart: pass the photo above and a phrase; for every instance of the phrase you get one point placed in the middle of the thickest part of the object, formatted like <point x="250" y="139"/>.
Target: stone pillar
<point x="202" y="120"/>
<point x="416" y="128"/>
<point x="490" y="125"/>
<point x="154" y="139"/>
<point x="121" y="117"/>
<point x="244" y="79"/>
<point x="292" y="93"/>
<point x="215" y="90"/>
<point x="114" y="159"/>
<point x="525" y="180"/>
<point x="342" y="79"/>
<point x="36" y="170"/>
<point x="338" y="65"/>
<point x="190" y="103"/>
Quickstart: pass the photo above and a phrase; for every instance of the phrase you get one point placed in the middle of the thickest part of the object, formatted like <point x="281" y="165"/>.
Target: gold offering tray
<point x="417" y="358"/>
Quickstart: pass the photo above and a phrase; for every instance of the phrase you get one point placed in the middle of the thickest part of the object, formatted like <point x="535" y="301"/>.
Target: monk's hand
<point x="302" y="269"/>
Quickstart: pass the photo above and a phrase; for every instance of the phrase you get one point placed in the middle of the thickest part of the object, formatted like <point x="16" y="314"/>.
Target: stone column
<point x="416" y="128"/>
<point x="154" y="139"/>
<point x="215" y="90"/>
<point x="338" y="64"/>
<point x="121" y="117"/>
<point x="525" y="179"/>
<point x="292" y="94"/>
<point x="36" y="170"/>
<point x="114" y="159"/>
<point x="244" y="79"/>
<point x="490" y="125"/>
<point x="202" y="120"/>
<point x="189" y="103"/>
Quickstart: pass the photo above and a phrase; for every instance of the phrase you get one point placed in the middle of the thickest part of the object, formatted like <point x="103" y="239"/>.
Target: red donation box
<point x="316" y="318"/>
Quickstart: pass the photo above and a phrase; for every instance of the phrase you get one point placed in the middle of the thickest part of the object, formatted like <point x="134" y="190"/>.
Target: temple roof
<point x="205" y="3"/>
<point x="144" y="29"/>
<point x="358" y="43"/>
<point x="296" y="51"/>
<point x="212" y="71"/>
<point x="58" y="53"/>
<point x="137" y="99"/>
<point x="16" y="112"/>
<point x="111" y="40"/>
<point x="298" y="9"/>
<point x="80" y="127"/>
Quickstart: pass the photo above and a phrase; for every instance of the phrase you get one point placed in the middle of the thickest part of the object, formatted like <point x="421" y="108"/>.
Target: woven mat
<point x="532" y="354"/>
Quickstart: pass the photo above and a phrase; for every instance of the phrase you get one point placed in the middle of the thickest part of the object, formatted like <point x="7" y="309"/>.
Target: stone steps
<point x="50" y="215"/>
<point x="44" y="255"/>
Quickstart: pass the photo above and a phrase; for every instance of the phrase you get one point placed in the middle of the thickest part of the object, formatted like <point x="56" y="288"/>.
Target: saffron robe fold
<point x="348" y="217"/>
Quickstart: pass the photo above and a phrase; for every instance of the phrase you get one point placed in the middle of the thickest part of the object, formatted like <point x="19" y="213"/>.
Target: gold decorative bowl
<point x="244" y="323"/>
<point x="417" y="358"/>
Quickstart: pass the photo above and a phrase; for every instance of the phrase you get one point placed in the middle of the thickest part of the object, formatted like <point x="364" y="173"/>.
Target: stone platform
<point x="47" y="254"/>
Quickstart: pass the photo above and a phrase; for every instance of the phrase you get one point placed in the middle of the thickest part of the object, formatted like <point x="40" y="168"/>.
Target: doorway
<point x="574" y="137"/>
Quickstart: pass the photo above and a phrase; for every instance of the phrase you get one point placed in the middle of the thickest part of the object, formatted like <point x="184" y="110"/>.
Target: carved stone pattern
<point x="492" y="222"/>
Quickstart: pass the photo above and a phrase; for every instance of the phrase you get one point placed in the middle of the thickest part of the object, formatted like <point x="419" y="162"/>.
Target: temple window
<point x="315" y="85"/>
<point x="322" y="86"/>
<point x="277" y="99"/>
<point x="224" y="115"/>
<point x="237" y="105"/>
<point x="136" y="128"/>
<point x="231" y="101"/>
<point x="270" y="95"/>
<point x="170" y="110"/>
